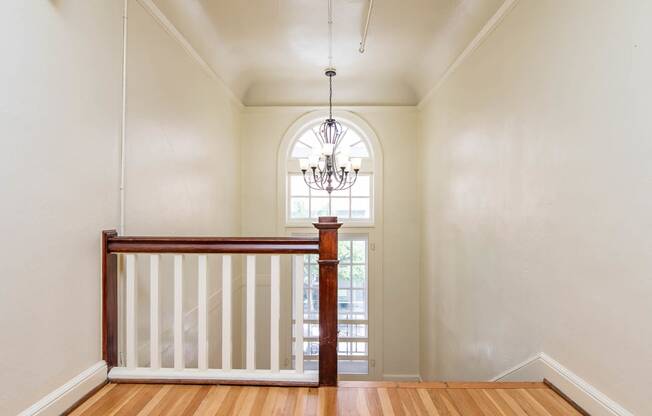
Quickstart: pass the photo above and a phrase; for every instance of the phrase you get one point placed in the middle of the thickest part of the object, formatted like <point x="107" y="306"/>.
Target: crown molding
<point x="172" y="30"/>
<point x="482" y="35"/>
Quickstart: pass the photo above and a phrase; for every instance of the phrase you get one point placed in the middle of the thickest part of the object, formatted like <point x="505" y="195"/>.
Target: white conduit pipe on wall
<point x="363" y="42"/>
<point x="123" y="133"/>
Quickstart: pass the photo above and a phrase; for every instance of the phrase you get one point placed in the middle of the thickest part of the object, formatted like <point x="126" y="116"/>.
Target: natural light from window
<point x="350" y="205"/>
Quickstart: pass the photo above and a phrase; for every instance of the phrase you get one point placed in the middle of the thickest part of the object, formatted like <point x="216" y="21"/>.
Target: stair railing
<point x="130" y="370"/>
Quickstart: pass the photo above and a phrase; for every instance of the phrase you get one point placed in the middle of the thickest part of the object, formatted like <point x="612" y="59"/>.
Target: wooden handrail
<point x="325" y="246"/>
<point x="204" y="245"/>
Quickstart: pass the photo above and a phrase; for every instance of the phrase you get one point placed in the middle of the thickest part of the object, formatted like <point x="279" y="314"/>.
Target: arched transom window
<point x="354" y="205"/>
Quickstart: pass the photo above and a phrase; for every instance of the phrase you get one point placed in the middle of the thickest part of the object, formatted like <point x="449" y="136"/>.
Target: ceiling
<point x="273" y="52"/>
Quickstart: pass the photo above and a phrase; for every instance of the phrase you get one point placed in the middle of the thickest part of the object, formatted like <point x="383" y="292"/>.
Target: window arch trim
<point x="284" y="156"/>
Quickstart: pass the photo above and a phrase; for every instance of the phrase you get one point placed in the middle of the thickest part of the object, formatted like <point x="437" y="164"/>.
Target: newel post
<point x="328" y="262"/>
<point x="109" y="301"/>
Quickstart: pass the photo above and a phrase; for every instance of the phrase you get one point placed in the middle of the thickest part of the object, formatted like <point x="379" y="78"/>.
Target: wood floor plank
<point x="555" y="401"/>
<point x="511" y="403"/>
<point x="499" y="402"/>
<point x="138" y="401"/>
<point x="516" y="397"/>
<point x="327" y="401"/>
<point x="92" y="400"/>
<point x="300" y="406"/>
<point x="410" y="407"/>
<point x="346" y="402"/>
<point x="442" y="404"/>
<point x="281" y="401"/>
<point x="259" y="402"/>
<point x="464" y="402"/>
<point x="427" y="402"/>
<point x="212" y="401"/>
<point x="154" y="401"/>
<point x="290" y="402"/>
<point x="227" y="405"/>
<point x="196" y="401"/>
<point x="488" y="407"/>
<point x="372" y="399"/>
<point x="111" y="401"/>
<point x="312" y="405"/>
<point x="385" y="402"/>
<point x="531" y="406"/>
<point x="395" y="399"/>
<point x="183" y="402"/>
<point x="419" y="405"/>
<point x="174" y="399"/>
<point x="361" y="405"/>
<point x="246" y="401"/>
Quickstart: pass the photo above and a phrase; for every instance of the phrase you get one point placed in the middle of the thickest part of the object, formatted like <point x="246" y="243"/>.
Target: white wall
<point x="59" y="181"/>
<point x="536" y="200"/>
<point x="183" y="154"/>
<point x="182" y="168"/>
<point x="263" y="129"/>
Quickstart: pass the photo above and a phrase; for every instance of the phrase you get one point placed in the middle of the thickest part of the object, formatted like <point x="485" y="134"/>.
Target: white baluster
<point x="275" y="287"/>
<point x="178" y="312"/>
<point x="251" y="313"/>
<point x="226" y="313"/>
<point x="202" y="293"/>
<point x="298" y="313"/>
<point x="154" y="326"/>
<point x="132" y="358"/>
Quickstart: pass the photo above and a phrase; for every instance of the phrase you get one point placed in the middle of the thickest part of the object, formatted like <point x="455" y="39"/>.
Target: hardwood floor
<point x="350" y="398"/>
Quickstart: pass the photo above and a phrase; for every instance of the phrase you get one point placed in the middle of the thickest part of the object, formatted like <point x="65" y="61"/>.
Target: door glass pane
<point x="353" y="324"/>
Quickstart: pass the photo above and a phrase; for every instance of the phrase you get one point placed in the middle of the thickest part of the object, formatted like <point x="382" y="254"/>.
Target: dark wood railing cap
<point x="204" y="245"/>
<point x="327" y="223"/>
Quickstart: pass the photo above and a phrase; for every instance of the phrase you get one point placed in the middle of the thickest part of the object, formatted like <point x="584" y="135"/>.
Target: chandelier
<point x="329" y="167"/>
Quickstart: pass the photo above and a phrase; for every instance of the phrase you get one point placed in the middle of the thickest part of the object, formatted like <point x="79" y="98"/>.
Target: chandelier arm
<point x="319" y="140"/>
<point x="339" y="139"/>
<point x="306" y="179"/>
<point x="348" y="184"/>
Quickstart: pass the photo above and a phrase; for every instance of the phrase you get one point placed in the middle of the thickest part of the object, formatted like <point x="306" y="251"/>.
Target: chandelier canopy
<point x="329" y="168"/>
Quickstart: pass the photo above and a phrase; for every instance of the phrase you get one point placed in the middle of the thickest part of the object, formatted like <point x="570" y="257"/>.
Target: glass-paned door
<point x="352" y="303"/>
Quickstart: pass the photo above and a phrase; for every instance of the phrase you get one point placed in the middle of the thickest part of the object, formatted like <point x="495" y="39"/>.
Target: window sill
<point x="345" y="224"/>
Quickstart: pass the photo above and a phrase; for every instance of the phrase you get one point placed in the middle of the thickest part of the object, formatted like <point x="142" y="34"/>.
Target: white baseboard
<point x="68" y="394"/>
<point x="542" y="366"/>
<point x="401" y="377"/>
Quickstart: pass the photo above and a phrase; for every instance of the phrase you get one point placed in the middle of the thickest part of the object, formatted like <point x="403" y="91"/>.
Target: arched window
<point x="354" y="205"/>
